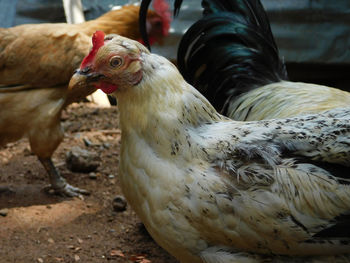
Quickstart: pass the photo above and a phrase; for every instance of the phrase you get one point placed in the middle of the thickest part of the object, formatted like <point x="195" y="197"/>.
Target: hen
<point x="210" y="189"/>
<point x="231" y="57"/>
<point x="36" y="63"/>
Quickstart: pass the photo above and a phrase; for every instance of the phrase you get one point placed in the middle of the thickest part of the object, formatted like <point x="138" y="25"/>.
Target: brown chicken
<point x="36" y="63"/>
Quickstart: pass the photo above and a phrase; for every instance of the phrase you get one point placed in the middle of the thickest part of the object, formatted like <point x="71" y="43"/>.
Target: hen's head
<point x="113" y="64"/>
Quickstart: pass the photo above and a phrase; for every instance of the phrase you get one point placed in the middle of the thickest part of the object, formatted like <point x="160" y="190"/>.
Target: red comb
<point x="162" y="9"/>
<point x="97" y="42"/>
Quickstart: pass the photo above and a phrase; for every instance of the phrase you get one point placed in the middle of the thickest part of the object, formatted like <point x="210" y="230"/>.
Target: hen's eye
<point x="116" y="61"/>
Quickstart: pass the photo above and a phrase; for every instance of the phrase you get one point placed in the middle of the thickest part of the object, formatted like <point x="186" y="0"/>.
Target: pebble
<point x="106" y="145"/>
<point x="119" y="203"/>
<point x="93" y="176"/>
<point x="27" y="151"/>
<point x="87" y="142"/>
<point x="4" y="212"/>
<point x="81" y="160"/>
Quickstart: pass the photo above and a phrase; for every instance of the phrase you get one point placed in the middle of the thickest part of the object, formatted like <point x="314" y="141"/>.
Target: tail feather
<point x="142" y="21"/>
<point x="252" y="10"/>
<point x="177" y="5"/>
<point x="230" y="51"/>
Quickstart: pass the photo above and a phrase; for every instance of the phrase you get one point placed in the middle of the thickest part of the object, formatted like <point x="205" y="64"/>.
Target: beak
<point x="82" y="84"/>
<point x="78" y="80"/>
<point x="82" y="78"/>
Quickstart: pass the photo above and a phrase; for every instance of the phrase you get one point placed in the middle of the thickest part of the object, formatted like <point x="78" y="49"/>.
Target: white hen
<point x="209" y="189"/>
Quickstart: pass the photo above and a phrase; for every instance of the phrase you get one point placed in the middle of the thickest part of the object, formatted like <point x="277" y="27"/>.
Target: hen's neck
<point x="163" y="100"/>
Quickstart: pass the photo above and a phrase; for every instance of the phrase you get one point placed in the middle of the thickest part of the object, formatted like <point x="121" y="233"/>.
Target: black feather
<point x="143" y="15"/>
<point x="339" y="171"/>
<point x="142" y="21"/>
<point x="230" y="51"/>
<point x="177" y="5"/>
<point x="339" y="229"/>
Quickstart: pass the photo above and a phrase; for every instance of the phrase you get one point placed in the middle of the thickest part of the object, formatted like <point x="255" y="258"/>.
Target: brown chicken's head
<point x="158" y="23"/>
<point x="113" y="64"/>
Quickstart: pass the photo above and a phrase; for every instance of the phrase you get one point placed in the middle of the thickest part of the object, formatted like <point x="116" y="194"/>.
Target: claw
<point x="70" y="191"/>
<point x="67" y="191"/>
<point x="58" y="184"/>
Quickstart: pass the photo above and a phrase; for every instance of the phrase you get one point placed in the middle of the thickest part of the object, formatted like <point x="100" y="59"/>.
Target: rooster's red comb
<point x="97" y="42"/>
<point x="162" y="8"/>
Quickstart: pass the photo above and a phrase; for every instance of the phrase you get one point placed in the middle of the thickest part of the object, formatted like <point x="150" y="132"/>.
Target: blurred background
<point x="313" y="36"/>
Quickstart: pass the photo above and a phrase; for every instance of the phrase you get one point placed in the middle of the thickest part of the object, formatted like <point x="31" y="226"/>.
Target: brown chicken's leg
<point x="58" y="183"/>
<point x="44" y="136"/>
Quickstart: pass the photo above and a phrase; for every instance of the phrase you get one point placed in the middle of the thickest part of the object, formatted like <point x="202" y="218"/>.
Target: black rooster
<point x="231" y="57"/>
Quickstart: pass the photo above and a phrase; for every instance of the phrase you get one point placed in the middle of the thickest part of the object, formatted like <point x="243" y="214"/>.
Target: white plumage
<point x="209" y="189"/>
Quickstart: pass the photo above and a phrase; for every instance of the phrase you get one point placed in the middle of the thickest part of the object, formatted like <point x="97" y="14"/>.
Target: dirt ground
<point x="40" y="227"/>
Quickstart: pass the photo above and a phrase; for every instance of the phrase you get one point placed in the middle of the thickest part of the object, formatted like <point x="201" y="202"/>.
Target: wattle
<point x="106" y="87"/>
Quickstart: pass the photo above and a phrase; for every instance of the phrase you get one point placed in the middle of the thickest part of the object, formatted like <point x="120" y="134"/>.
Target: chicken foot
<point x="58" y="183"/>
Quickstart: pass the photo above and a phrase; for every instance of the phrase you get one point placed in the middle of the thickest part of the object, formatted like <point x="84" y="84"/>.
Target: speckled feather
<point x="209" y="189"/>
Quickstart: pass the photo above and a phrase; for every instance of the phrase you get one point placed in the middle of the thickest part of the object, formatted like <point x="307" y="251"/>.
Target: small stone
<point x="76" y="258"/>
<point x="81" y="160"/>
<point x="40" y="260"/>
<point x="4" y="212"/>
<point x="119" y="203"/>
<point x="111" y="176"/>
<point x="95" y="111"/>
<point x="27" y="151"/>
<point x="106" y="145"/>
<point x="87" y="142"/>
<point x="93" y="176"/>
<point x="117" y="252"/>
<point x="51" y="241"/>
